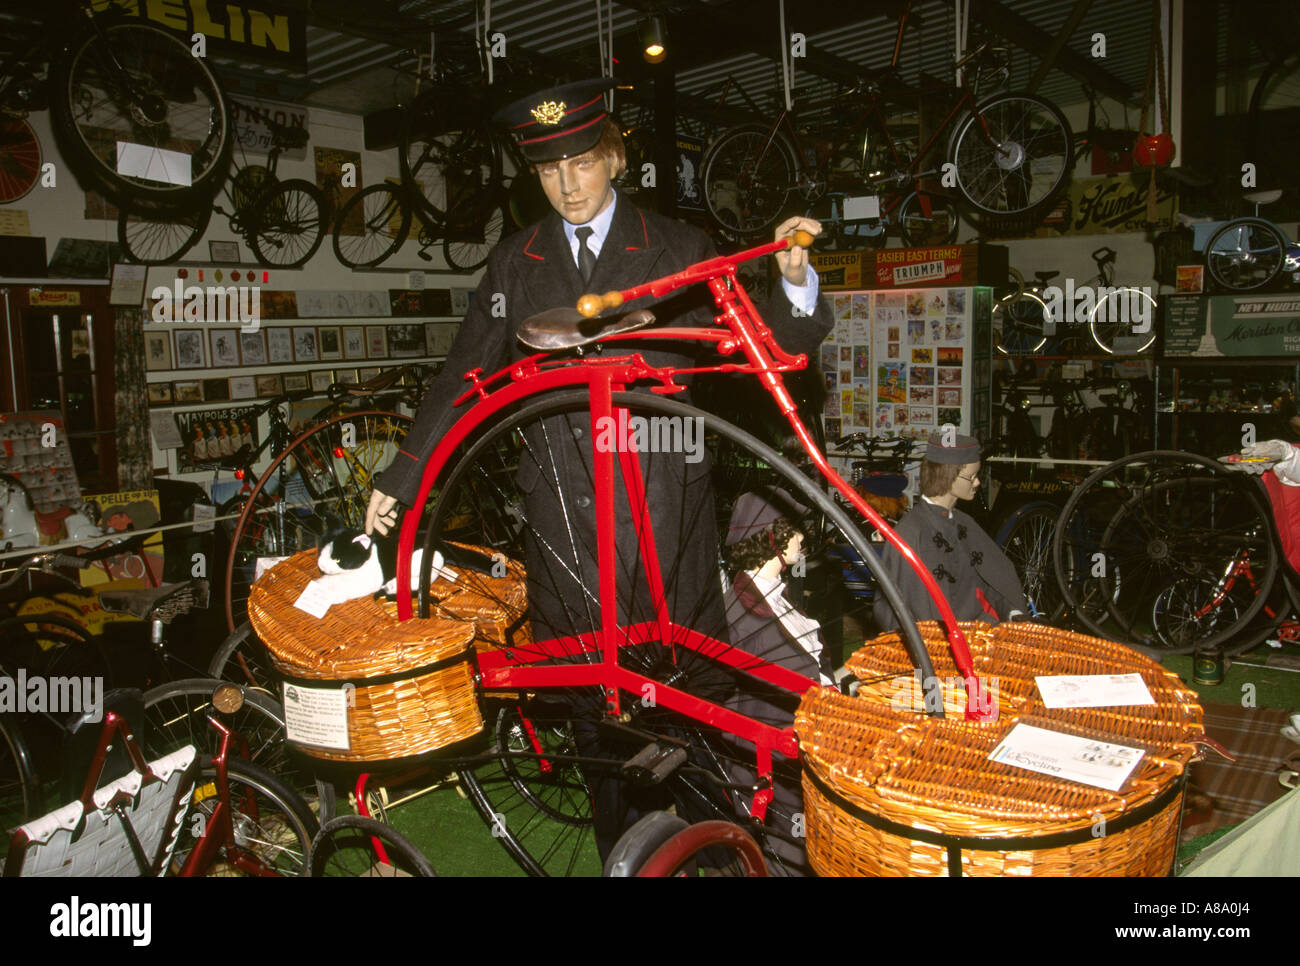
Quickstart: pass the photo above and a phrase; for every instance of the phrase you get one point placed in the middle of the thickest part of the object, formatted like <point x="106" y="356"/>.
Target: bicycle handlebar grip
<point x="69" y="560"/>
<point x="803" y="239"/>
<point x="591" y="305"/>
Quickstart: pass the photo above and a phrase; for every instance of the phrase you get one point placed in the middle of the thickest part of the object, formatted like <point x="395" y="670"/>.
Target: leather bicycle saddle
<point x="567" y="328"/>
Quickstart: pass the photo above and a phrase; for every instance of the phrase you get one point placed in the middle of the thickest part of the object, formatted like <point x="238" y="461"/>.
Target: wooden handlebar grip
<point x="802" y="238"/>
<point x="590" y="306"/>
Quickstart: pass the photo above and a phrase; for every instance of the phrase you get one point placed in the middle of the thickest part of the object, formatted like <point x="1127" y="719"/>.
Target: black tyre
<point x="539" y="806"/>
<point x="1129" y="313"/>
<point x="288" y="225"/>
<point x="1026" y="539"/>
<point x="1018" y="324"/>
<point x="140" y="85"/>
<point x="748" y="175"/>
<point x="439" y="171"/>
<point x="272" y="825"/>
<point x="1023" y="162"/>
<point x="1245" y="254"/>
<point x="920" y="229"/>
<point x="20" y="796"/>
<point x="160" y="238"/>
<point x="242" y="659"/>
<point x="372" y="225"/>
<point x="346" y="847"/>
<point x="472" y="233"/>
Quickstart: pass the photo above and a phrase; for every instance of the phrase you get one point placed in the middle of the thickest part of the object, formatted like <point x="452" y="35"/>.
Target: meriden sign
<point x="1232" y="325"/>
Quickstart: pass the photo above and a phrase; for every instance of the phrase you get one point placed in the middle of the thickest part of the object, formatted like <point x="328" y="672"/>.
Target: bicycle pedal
<point x="653" y="763"/>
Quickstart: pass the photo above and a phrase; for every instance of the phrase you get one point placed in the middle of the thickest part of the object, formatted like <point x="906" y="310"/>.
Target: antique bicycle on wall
<point x="1011" y="153"/>
<point x="500" y="487"/>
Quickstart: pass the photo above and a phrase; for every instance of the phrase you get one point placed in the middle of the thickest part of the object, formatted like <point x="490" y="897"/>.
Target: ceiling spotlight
<point x="654" y="39"/>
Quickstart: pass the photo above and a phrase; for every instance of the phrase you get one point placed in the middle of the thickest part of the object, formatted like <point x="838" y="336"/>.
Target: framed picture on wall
<point x="188" y="392"/>
<point x="405" y="341"/>
<point x="321" y="380"/>
<point x="252" y="348"/>
<point x="376" y="342"/>
<point x="157" y="351"/>
<point x="243" y="387"/>
<point x="190" y="350"/>
<point x="216" y="390"/>
<point x="329" y="340"/>
<point x="346" y="377"/>
<point x="224" y="251"/>
<point x="296" y="381"/>
<point x="304" y="344"/>
<point x="279" y="346"/>
<point x="160" y="394"/>
<point x="368" y="373"/>
<point x="269" y="384"/>
<point x="225" y="348"/>
<point x="354" y="342"/>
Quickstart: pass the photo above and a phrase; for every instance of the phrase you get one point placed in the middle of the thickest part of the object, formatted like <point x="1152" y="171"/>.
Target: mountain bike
<point x="1010" y="155"/>
<point x="282" y="222"/>
<point x="136" y="113"/>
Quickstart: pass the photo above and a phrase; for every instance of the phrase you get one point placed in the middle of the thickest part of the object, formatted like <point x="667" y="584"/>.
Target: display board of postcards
<point x="34" y="450"/>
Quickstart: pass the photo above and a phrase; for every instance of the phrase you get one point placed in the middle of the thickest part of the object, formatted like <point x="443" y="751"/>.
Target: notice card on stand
<point x="1093" y="690"/>
<point x="1085" y="760"/>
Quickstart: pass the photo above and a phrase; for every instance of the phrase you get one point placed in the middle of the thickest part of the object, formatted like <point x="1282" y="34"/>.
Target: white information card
<point x="1085" y="760"/>
<point x="1093" y="690"/>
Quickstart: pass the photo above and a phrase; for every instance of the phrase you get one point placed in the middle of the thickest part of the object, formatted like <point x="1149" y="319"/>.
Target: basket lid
<point x="358" y="638"/>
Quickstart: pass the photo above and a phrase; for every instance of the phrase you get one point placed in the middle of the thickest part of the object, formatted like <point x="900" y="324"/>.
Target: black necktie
<point x="586" y="257"/>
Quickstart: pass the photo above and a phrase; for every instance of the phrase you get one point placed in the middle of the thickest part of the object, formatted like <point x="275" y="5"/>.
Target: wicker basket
<point x="414" y="684"/>
<point x="890" y="791"/>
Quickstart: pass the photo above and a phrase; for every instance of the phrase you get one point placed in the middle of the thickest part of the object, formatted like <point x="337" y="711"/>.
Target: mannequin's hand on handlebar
<point x="381" y="514"/>
<point x="793" y="261"/>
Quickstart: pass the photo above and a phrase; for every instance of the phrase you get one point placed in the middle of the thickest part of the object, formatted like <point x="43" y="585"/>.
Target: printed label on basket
<point x="1093" y="690"/>
<point x="1085" y="760"/>
<point x="264" y="564"/>
<point x="316" y="716"/>
<point x="315" y="599"/>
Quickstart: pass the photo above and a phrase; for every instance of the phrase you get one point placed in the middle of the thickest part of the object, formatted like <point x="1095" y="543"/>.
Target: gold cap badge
<point x="548" y="112"/>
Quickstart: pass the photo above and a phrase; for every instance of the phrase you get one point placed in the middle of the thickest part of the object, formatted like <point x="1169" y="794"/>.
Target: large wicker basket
<point x="412" y="682"/>
<point x="890" y="791"/>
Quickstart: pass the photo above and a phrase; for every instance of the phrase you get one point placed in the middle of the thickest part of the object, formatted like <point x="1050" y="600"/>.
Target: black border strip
<point x="446" y="662"/>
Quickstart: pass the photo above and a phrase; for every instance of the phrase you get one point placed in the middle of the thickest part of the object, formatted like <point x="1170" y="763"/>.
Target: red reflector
<point x="239" y="474"/>
<point x="338" y="452"/>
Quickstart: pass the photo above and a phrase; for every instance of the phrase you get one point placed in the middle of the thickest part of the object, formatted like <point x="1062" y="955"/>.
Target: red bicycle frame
<point x="743" y="334"/>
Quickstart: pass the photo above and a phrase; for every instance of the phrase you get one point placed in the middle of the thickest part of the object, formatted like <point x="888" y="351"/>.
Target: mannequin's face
<point x="793" y="550"/>
<point x="968" y="482"/>
<point x="579" y="187"/>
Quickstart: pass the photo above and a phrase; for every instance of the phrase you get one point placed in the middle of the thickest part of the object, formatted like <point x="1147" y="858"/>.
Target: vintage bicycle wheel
<point x="1026" y="539"/>
<point x="1022" y="162"/>
<point x="346" y="847"/>
<point x="382" y="221"/>
<point x="460" y="167"/>
<point x="20" y="160"/>
<point x="1141" y="537"/>
<point x="19" y="787"/>
<point x="141" y="86"/>
<point x="272" y="825"/>
<point x="919" y="229"/>
<point x="472" y="233"/>
<point x="1245" y="254"/>
<point x="511" y="491"/>
<point x="322" y="479"/>
<point x="1129" y="314"/>
<point x="748" y="177"/>
<point x="288" y="225"/>
<point x="243" y="659"/>
<point x="161" y="237"/>
<point x="50" y="644"/>
<point x="1018" y="324"/>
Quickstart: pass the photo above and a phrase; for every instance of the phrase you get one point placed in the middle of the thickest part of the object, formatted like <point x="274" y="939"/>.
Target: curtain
<point x="131" y="402"/>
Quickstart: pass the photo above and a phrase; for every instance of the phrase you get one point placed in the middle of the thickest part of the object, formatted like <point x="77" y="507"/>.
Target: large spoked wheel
<point x="141" y="86"/>
<point x="524" y="489"/>
<point x="748" y="176"/>
<point x="20" y="160"/>
<point x="1026" y="539"/>
<point x="1127" y="314"/>
<point x="271" y="826"/>
<point x="1018" y="324"/>
<point x="162" y="237"/>
<point x="372" y="225"/>
<point x="1245" y="254"/>
<point x="19" y="787"/>
<point x="461" y="167"/>
<point x="1012" y="154"/>
<point x="692" y="851"/>
<point x="1165" y="551"/>
<point x="354" y="846"/>
<point x="920" y="228"/>
<point x="323" y="478"/>
<point x="243" y="659"/>
<point x="472" y="233"/>
<point x="289" y="224"/>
